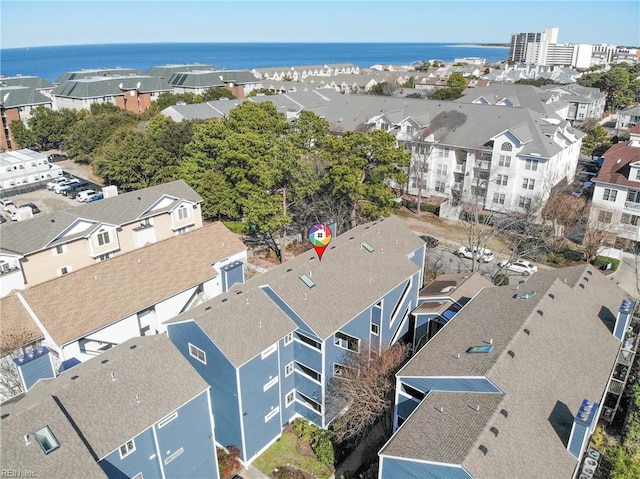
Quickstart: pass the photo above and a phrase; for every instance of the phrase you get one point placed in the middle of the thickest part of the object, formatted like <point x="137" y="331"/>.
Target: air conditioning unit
<point x="4" y="267"/>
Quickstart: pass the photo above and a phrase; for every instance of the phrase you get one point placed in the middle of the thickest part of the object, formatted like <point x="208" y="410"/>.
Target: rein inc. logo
<point x="17" y="473"/>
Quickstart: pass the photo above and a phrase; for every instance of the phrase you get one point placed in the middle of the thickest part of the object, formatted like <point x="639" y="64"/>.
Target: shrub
<point x="571" y="254"/>
<point x="323" y="447"/>
<point x="501" y="280"/>
<point x="304" y="429"/>
<point x="236" y="226"/>
<point x="602" y="261"/>
<point x="228" y="461"/>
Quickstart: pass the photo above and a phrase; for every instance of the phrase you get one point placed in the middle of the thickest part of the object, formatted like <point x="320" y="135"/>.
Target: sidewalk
<point x="252" y="472"/>
<point x="367" y="448"/>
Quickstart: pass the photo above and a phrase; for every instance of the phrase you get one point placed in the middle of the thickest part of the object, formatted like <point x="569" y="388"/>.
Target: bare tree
<point x="561" y="211"/>
<point x="360" y="392"/>
<point x="15" y="344"/>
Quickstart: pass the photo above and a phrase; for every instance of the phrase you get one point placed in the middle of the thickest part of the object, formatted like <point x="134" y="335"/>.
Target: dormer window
<point x="506" y="146"/>
<point x="103" y="238"/>
<point x="183" y="212"/>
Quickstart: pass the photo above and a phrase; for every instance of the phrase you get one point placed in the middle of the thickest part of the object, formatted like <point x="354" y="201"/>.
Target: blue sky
<point x="26" y="23"/>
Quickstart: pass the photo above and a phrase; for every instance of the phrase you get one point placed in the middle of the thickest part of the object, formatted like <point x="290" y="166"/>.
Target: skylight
<point x="485" y="348"/>
<point x="47" y="440"/>
<point x="367" y="246"/>
<point x="306" y="280"/>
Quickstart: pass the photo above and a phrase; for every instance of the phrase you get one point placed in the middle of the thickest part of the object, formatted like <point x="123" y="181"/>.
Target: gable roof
<point x="26" y="237"/>
<point x="105" y="411"/>
<point x="37" y="83"/>
<point x="92" y="87"/>
<point x="348" y="276"/>
<point x="111" y="290"/>
<point x="16" y="96"/>
<point x="553" y="338"/>
<point x="615" y="167"/>
<point x="97" y="72"/>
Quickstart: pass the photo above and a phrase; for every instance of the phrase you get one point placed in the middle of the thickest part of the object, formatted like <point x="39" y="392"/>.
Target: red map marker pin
<point x="320" y="237"/>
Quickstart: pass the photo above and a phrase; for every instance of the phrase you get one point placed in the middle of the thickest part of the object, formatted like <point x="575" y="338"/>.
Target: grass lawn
<point x="284" y="452"/>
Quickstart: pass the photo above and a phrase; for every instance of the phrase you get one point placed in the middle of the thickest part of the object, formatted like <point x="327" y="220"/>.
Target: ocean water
<point x="51" y="62"/>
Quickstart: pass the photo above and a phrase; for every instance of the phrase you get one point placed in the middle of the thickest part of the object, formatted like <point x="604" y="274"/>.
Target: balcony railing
<point x="631" y="205"/>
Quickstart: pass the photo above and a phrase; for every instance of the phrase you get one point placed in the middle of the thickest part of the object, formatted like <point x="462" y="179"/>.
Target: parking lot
<point x="46" y="200"/>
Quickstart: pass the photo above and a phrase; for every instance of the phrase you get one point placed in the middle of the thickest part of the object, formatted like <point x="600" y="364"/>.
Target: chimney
<point x="232" y="273"/>
<point x="623" y="319"/>
<point x="110" y="191"/>
<point x="583" y="426"/>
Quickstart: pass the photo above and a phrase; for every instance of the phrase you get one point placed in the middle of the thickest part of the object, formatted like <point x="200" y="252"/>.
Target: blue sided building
<point x="137" y="411"/>
<point x="271" y="347"/>
<point x="511" y="386"/>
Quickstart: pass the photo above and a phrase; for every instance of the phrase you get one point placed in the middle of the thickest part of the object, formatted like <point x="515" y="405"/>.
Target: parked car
<point x="2" y="219"/>
<point x="430" y="241"/>
<point x="55" y="181"/>
<point x="73" y="186"/>
<point x="34" y="208"/>
<point x="96" y="197"/>
<point x="519" y="266"/>
<point x="57" y="157"/>
<point x="481" y="254"/>
<point x="74" y="192"/>
<point x="83" y="195"/>
<point x="59" y="187"/>
<point x="6" y="204"/>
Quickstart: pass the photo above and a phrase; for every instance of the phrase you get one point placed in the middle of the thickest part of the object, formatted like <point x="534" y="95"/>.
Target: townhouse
<point x="615" y="206"/>
<point x="132" y="93"/>
<point x="17" y="102"/>
<point x="511" y="387"/>
<point x="25" y="169"/>
<point x="504" y="159"/>
<point x="270" y="348"/>
<point x="82" y="314"/>
<point x="239" y="82"/>
<point x="51" y="245"/>
<point x="300" y="73"/>
<point x="139" y="411"/>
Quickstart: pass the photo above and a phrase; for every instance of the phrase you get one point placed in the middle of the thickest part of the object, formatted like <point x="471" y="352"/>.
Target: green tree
<point x="410" y="83"/>
<point x="596" y="142"/>
<point x="47" y="126"/>
<point x="92" y="131"/>
<point x="216" y="93"/>
<point x="166" y="100"/>
<point x="22" y="135"/>
<point x="383" y="89"/>
<point x="360" y="167"/>
<point x="261" y="91"/>
<point x="422" y="66"/>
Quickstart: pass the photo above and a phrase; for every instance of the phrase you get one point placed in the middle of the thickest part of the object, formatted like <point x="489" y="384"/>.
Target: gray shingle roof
<point x="93" y="87"/>
<point x="98" y="72"/>
<point x="15" y="96"/>
<point x="41" y="232"/>
<point x="165" y="71"/>
<point x="562" y="352"/>
<point x="112" y="290"/>
<point x="104" y="410"/>
<point x="37" y="83"/>
<point x="349" y="277"/>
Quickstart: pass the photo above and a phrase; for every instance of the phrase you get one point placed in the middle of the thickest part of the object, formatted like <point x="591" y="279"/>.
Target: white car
<point x="63" y="184"/>
<point x="6" y="204"/>
<point x="55" y="181"/>
<point x="519" y="266"/>
<point x="482" y="254"/>
<point x="83" y="195"/>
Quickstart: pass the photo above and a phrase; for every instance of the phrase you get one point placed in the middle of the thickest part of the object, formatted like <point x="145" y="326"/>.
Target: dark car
<point x="430" y="241"/>
<point x="34" y="208"/>
<point x="57" y="157"/>
<point x="69" y="188"/>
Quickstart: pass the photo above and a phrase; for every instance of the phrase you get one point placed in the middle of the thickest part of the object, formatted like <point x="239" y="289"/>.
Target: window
<point x="528" y="183"/>
<point x="441" y="169"/>
<point x="633" y="196"/>
<point x="64" y="270"/>
<point x="502" y="180"/>
<point x="60" y="249"/>
<point x="163" y="422"/>
<point x="309" y="372"/>
<point x="339" y="369"/>
<point x="103" y="238"/>
<point x="628" y="219"/>
<point x="307" y="401"/>
<point x="524" y="202"/>
<point x="498" y="198"/>
<point x="609" y="194"/>
<point x="104" y="257"/>
<point x="440" y="186"/>
<point x="638" y="174"/>
<point x="290" y="398"/>
<point x="127" y="448"/>
<point x="531" y="165"/>
<point x="346" y="342"/>
<point x="288" y="369"/>
<point x="273" y="413"/>
<point x="183" y="212"/>
<point x="181" y="231"/>
<point x="46" y="439"/>
<point x="288" y="339"/>
<point x="605" y="216"/>
<point x="443" y="152"/>
<point x="197" y="353"/>
<point x="375" y="329"/>
<point x="309" y="341"/>
<point x="270" y="384"/>
<point x="506" y="146"/>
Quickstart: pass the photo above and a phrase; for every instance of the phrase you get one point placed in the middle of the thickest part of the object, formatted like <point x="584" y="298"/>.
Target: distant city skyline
<point x="27" y="23"/>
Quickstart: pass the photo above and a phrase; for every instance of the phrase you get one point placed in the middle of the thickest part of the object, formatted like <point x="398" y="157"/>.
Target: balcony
<point x="456" y="186"/>
<point x="632" y="206"/>
<point x="458" y="168"/>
